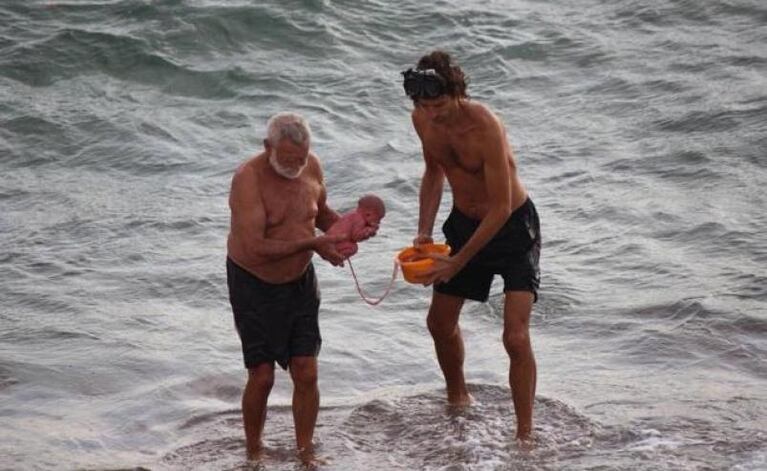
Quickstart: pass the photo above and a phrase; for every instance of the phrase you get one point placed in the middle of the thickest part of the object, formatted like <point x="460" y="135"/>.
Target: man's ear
<point x="267" y="144"/>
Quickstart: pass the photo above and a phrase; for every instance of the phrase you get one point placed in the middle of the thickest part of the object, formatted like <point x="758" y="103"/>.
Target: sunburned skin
<point x="358" y="225"/>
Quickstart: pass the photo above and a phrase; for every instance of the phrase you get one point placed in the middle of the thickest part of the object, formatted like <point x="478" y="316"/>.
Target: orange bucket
<point x="414" y="263"/>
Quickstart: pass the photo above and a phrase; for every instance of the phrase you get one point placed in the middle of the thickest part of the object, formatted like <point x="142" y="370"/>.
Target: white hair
<point x="290" y="125"/>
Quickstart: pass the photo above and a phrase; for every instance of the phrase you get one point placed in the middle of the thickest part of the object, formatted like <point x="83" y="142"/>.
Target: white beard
<point x="284" y="171"/>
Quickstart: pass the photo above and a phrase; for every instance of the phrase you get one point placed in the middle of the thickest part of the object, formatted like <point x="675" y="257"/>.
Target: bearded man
<point x="277" y="200"/>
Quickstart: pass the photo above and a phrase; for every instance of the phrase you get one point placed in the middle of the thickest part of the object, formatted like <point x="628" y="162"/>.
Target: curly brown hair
<point x="455" y="79"/>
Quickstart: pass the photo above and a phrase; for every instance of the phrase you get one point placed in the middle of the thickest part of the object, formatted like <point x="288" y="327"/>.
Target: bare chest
<point x="455" y="153"/>
<point x="292" y="203"/>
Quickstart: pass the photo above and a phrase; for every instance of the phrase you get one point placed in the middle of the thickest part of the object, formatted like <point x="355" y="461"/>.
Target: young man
<point x="492" y="229"/>
<point x="277" y="200"/>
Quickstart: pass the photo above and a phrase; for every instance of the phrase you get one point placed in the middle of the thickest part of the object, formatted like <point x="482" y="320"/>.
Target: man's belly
<point x="281" y="270"/>
<point x="476" y="209"/>
<point x="470" y="194"/>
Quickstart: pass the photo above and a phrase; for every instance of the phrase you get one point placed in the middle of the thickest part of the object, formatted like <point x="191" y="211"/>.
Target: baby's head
<point x="372" y="209"/>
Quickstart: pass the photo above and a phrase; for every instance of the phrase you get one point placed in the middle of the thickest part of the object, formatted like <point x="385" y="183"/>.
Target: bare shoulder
<point x="314" y="167"/>
<point x="485" y="117"/>
<point x="419" y="121"/>
<point x="247" y="181"/>
<point x="415" y="116"/>
<point x="247" y="172"/>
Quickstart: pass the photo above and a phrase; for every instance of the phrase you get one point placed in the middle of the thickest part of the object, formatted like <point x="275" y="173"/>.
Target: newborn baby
<point x="358" y="225"/>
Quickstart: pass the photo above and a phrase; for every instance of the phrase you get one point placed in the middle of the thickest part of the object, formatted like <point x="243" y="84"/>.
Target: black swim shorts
<point x="513" y="253"/>
<point x="275" y="321"/>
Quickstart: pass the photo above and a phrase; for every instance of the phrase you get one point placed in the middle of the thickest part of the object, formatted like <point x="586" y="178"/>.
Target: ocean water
<point x="641" y="133"/>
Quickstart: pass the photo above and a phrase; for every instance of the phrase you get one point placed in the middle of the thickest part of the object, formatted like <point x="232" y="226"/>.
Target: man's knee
<point x="442" y="320"/>
<point x="439" y="328"/>
<point x="303" y="371"/>
<point x="516" y="342"/>
<point x="516" y="333"/>
<point x="261" y="377"/>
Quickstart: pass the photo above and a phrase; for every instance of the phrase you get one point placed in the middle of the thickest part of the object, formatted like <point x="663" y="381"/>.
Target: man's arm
<point x="249" y="222"/>
<point x="326" y="217"/>
<point x="324" y="220"/>
<point x="430" y="193"/>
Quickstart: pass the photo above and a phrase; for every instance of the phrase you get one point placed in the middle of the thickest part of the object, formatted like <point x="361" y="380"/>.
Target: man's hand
<point x="444" y="268"/>
<point x="346" y="248"/>
<point x="422" y="239"/>
<point x="325" y="247"/>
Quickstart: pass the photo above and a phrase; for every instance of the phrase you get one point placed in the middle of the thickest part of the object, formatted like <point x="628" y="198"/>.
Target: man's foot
<point x="460" y="400"/>
<point x="256" y="455"/>
<point x="309" y="459"/>
<point x="525" y="440"/>
<point x="255" y="461"/>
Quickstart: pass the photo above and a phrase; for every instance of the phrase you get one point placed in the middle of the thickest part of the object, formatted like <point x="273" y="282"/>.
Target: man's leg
<point x="254" y="398"/>
<point x="306" y="402"/>
<point x="522" y="372"/>
<point x="442" y="322"/>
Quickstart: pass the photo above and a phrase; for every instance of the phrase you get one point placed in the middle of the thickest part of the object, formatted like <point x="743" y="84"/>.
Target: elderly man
<point x="493" y="228"/>
<point x="277" y="200"/>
